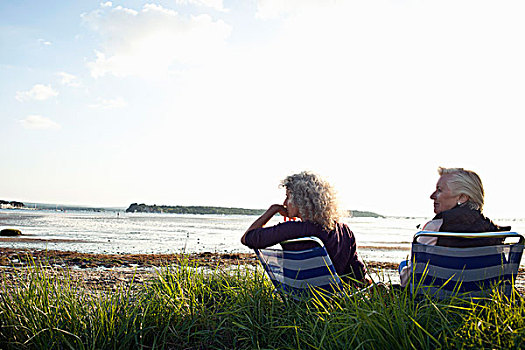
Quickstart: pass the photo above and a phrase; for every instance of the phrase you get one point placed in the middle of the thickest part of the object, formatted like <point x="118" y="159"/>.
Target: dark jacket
<point x="465" y="218"/>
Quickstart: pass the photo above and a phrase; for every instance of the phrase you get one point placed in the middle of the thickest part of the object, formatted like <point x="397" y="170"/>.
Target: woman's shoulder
<point x="465" y="218"/>
<point x="433" y="225"/>
<point x="342" y="228"/>
<point x="342" y="224"/>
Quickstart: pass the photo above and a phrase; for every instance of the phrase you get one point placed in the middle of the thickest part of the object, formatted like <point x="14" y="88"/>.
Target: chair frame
<point x="433" y="275"/>
<point x="296" y="287"/>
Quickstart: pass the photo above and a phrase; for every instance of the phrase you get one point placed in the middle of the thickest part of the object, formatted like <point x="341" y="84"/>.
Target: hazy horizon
<point x="48" y="205"/>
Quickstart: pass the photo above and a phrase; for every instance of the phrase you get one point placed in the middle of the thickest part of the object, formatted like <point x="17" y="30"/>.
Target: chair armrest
<point x="470" y="235"/>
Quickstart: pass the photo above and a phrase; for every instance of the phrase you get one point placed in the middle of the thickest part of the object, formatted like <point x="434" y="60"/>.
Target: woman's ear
<point x="463" y="198"/>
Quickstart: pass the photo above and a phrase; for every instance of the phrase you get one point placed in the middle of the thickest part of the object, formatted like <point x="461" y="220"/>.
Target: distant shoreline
<point x="180" y="209"/>
<point x="161" y="209"/>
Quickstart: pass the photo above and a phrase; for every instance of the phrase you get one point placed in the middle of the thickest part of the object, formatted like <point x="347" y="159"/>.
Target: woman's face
<point x="293" y="211"/>
<point x="442" y="196"/>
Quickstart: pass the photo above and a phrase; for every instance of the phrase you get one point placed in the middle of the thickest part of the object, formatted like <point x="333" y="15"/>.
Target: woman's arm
<point x="264" y="218"/>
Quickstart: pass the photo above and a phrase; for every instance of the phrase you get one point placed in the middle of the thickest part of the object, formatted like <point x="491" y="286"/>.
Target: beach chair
<point x="468" y="272"/>
<point x="301" y="268"/>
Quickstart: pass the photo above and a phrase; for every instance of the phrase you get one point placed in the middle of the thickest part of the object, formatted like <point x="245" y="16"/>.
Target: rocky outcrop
<point x="178" y="209"/>
<point x="11" y="204"/>
<point x="142" y="208"/>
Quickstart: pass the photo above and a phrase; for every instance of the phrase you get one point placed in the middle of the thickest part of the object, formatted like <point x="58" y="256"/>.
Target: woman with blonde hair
<point x="312" y="200"/>
<point x="458" y="204"/>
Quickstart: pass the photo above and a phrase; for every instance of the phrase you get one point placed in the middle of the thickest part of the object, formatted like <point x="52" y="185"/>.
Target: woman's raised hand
<point x="265" y="217"/>
<point x="278" y="208"/>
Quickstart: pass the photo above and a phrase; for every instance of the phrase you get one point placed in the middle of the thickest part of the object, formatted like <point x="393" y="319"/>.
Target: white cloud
<point x="118" y="102"/>
<point x="44" y="42"/>
<point x="38" y="122"/>
<point x="214" y="4"/>
<point x="152" y="41"/>
<point x="69" y="79"/>
<point x="38" y="92"/>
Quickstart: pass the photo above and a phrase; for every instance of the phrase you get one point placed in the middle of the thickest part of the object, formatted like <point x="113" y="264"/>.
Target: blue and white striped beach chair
<point x="466" y="272"/>
<point x="300" y="272"/>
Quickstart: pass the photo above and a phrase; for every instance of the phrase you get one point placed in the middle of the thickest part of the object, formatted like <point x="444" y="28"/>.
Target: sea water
<point x="379" y="239"/>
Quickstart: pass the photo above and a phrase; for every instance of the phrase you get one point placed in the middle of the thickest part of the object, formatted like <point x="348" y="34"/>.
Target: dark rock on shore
<point x="10" y="232"/>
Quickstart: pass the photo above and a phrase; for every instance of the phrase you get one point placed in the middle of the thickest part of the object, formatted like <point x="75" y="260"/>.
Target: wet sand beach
<point x="110" y="271"/>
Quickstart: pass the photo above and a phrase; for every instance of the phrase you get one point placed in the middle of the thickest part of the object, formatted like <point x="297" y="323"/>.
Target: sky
<point x="214" y="102"/>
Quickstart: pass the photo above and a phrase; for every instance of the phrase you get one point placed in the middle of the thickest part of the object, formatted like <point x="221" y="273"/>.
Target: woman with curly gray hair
<point x="312" y="200"/>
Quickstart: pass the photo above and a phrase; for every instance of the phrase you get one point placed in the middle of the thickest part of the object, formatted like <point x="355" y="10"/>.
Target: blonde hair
<point x="314" y="197"/>
<point x="465" y="182"/>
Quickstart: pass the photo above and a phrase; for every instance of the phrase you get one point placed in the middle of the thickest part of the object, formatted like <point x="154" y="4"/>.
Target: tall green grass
<point x="187" y="307"/>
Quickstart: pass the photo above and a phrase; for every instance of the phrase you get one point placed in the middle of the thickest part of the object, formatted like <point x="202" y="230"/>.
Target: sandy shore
<point x="112" y="270"/>
<point x="20" y="257"/>
<point x="103" y="271"/>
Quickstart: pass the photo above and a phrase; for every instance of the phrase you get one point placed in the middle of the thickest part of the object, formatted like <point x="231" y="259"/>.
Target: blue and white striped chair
<point x="300" y="272"/>
<point x="465" y="272"/>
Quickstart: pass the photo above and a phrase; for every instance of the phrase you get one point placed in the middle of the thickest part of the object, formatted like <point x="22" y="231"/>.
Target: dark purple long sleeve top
<point x="339" y="243"/>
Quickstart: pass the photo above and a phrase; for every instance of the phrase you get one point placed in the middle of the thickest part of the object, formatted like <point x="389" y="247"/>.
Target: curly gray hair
<point x="314" y="197"/>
